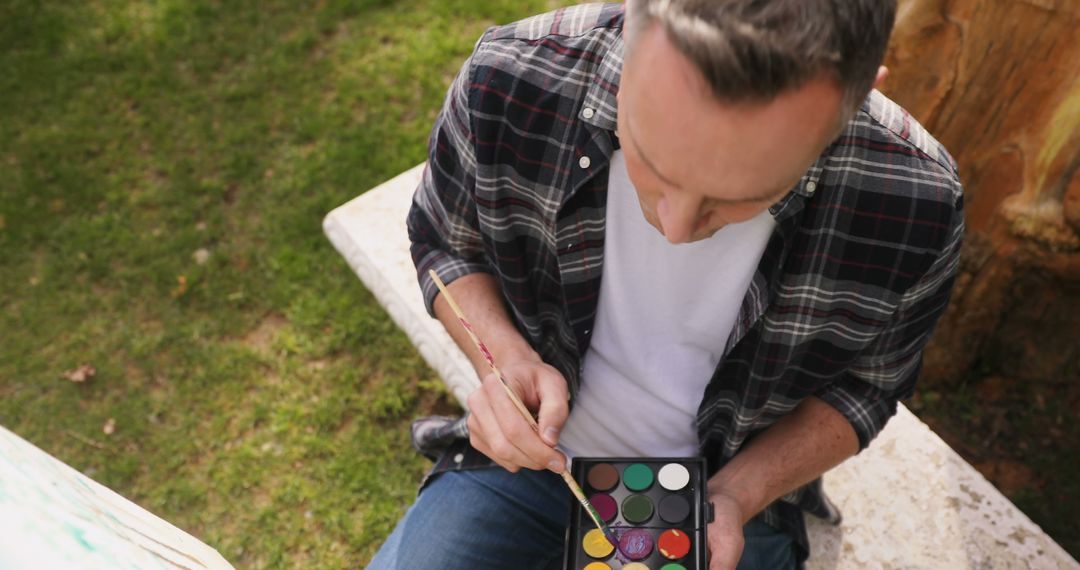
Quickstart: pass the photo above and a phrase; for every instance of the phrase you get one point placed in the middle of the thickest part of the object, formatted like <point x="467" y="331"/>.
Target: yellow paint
<point x="597" y="566"/>
<point x="596" y="544"/>
<point x="635" y="566"/>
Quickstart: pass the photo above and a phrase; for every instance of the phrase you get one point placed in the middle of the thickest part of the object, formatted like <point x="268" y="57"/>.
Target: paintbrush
<point x="525" y="413"/>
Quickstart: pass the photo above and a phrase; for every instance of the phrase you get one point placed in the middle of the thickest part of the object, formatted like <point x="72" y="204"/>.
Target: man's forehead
<point x="691" y="137"/>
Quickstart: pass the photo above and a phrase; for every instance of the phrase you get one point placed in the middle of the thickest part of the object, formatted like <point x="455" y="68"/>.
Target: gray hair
<point x="753" y="50"/>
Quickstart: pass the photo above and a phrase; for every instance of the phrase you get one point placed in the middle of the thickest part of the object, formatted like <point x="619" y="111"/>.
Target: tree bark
<point x="998" y="82"/>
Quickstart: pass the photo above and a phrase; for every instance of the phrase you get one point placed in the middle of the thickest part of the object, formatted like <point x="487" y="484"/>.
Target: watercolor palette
<point x="657" y="507"/>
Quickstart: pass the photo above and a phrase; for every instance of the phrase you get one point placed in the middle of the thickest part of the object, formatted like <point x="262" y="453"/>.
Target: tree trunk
<point x="998" y="82"/>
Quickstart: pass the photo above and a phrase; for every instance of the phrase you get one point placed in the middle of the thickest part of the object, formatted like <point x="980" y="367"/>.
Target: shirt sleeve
<point x="442" y="222"/>
<point x="886" y="371"/>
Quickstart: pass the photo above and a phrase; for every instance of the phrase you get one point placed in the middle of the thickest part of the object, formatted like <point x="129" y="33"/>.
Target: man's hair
<point x="753" y="50"/>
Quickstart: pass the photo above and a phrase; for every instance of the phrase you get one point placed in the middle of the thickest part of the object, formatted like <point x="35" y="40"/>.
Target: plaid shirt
<point x="851" y="284"/>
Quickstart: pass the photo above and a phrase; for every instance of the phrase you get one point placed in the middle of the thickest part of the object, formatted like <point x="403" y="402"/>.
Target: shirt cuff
<point x="449" y="269"/>
<point x="863" y="405"/>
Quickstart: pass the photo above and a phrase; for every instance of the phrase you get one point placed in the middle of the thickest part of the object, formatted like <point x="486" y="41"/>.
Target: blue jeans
<point x="493" y="519"/>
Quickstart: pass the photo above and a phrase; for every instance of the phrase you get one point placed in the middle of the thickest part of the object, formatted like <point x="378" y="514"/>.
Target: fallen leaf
<point x="181" y="287"/>
<point x="201" y="255"/>
<point x="109" y="427"/>
<point x="81" y="374"/>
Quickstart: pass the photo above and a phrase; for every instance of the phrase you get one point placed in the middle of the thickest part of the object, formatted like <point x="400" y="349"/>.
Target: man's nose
<point x="678" y="215"/>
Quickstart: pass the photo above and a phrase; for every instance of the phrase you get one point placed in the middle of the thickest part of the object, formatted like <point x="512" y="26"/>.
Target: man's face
<point x="699" y="164"/>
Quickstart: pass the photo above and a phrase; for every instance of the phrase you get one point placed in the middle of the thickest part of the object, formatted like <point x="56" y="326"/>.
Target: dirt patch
<point x="1011" y="477"/>
<point x="261" y="338"/>
<point x="438" y="403"/>
<point x="347" y="421"/>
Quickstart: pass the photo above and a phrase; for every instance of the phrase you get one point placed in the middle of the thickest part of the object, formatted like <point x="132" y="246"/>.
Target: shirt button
<point x="811" y="187"/>
<point x="584" y="162"/>
<point x="587" y="112"/>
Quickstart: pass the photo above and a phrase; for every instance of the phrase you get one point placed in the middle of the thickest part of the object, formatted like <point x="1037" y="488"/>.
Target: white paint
<point x="673" y="476"/>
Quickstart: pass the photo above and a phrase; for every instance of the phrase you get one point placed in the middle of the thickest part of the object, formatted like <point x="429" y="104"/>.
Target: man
<point x="700" y="231"/>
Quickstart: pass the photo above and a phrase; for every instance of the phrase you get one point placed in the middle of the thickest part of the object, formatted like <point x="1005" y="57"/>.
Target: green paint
<point x="637" y="509"/>
<point x="673" y="566"/>
<point x="638" y="477"/>
<point x="79" y="535"/>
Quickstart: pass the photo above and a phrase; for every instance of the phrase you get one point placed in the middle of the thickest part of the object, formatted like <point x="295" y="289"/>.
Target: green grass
<point x="264" y="404"/>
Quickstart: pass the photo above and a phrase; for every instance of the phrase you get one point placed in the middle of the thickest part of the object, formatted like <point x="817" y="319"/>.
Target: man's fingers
<point x="476" y="439"/>
<point x="490" y="432"/>
<point x="519" y="433"/>
<point x="554" y="408"/>
<point x="499" y="430"/>
<point x="517" y="430"/>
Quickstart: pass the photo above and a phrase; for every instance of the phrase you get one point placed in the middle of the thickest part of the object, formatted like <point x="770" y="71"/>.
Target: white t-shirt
<point x="665" y="312"/>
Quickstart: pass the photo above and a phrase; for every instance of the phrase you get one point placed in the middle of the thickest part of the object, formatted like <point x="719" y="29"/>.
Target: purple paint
<point x="636" y="544"/>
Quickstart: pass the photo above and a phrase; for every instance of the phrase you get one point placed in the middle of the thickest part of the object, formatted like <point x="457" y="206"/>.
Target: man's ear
<point x="882" y="73"/>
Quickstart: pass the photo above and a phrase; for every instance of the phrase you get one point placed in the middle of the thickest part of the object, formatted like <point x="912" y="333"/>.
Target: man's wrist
<point x="510" y="354"/>
<point x="726" y="486"/>
<point x="479" y="297"/>
<point x="799" y="447"/>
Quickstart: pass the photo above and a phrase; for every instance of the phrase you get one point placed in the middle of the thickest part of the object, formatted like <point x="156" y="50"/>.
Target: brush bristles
<point x="611" y="537"/>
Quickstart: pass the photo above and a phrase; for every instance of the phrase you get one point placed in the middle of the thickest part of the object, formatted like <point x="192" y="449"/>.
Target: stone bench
<point x="909" y="501"/>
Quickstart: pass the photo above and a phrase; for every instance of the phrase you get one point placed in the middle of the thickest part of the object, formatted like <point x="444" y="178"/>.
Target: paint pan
<point x="657" y="507"/>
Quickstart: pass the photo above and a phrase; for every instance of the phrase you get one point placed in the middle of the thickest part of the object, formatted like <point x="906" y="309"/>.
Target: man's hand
<point x="497" y="429"/>
<point x="800" y="446"/>
<point x="725" y="533"/>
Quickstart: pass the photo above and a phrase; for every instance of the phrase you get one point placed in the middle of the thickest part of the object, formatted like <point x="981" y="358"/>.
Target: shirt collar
<point x="600" y="107"/>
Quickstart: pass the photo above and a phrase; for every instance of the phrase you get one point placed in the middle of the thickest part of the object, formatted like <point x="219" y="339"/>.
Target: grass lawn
<point x="164" y="170"/>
